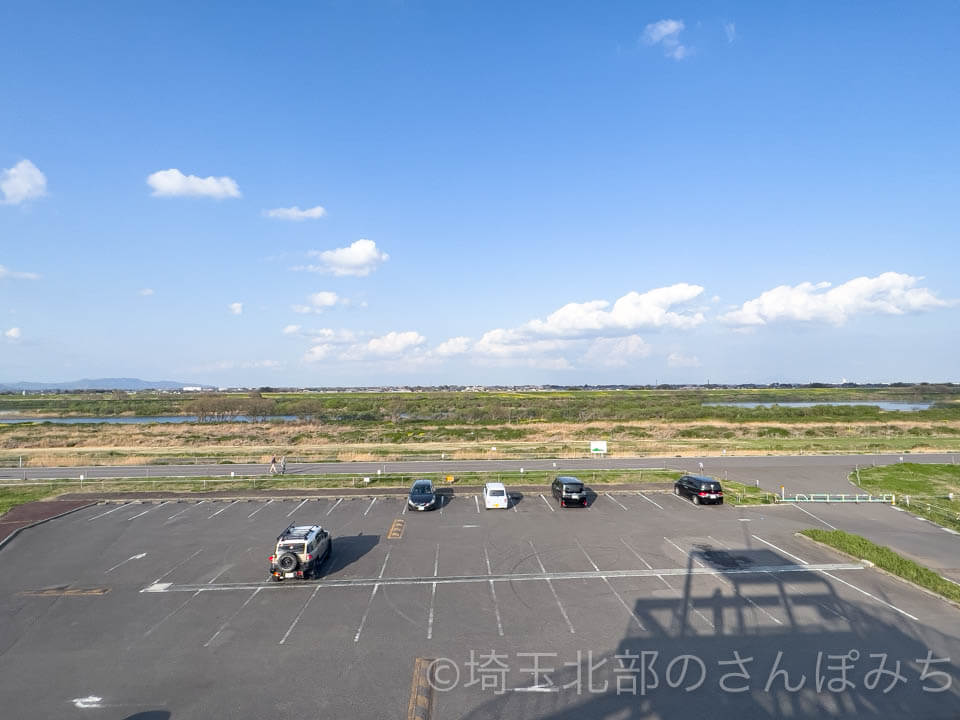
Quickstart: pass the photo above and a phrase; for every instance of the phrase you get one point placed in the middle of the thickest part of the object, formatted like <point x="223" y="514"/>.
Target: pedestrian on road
<point x="283" y="464"/>
<point x="701" y="466"/>
<point x="273" y="465"/>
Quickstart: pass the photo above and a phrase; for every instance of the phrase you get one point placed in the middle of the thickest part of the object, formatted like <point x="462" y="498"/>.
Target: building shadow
<point x="347" y="549"/>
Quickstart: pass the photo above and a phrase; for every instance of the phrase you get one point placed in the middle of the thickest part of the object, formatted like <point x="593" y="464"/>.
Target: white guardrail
<point x="836" y="498"/>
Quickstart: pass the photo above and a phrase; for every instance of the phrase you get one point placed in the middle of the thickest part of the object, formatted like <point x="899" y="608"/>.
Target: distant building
<point x="192" y="388"/>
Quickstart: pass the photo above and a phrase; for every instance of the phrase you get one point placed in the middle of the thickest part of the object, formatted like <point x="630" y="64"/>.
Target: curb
<point x="16" y="532"/>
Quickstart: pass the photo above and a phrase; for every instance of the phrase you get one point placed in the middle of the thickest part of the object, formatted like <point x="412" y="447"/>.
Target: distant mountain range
<point x="98" y="384"/>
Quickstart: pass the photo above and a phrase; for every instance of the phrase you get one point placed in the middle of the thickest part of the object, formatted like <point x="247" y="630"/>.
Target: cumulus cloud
<point x="14" y="275"/>
<point x="678" y="360"/>
<point x="172" y="182"/>
<point x="318" y="302"/>
<point x="359" y="258"/>
<point x="22" y="182"/>
<point x="730" y="30"/>
<point x="291" y="329"/>
<point x="617" y="352"/>
<point x="666" y="34"/>
<point x="345" y="346"/>
<point x="393" y="343"/>
<point x="887" y="294"/>
<point x="236" y="308"/>
<point x="12" y="334"/>
<point x="146" y="292"/>
<point x="295" y="213"/>
<point x="453" y="346"/>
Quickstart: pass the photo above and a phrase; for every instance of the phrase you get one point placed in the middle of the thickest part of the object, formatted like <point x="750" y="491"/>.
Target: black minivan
<point x="569" y="491"/>
<point x="700" y="489"/>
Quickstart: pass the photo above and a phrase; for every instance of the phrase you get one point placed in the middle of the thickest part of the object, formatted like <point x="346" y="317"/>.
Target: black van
<point x="569" y="491"/>
<point x="700" y="489"/>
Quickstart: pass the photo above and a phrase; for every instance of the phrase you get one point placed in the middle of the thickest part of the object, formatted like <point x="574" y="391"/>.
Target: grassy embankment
<point x="923" y="489"/>
<point x="886" y="559"/>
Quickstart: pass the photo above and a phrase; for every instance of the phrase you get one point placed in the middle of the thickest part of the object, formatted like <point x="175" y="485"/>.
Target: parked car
<point x="569" y="491"/>
<point x="300" y="551"/>
<point x="422" y="496"/>
<point x="495" y="496"/>
<point x="701" y="489"/>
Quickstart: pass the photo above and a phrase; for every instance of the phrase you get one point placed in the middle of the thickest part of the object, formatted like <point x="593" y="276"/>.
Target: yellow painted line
<point x="396" y="529"/>
<point x="66" y="592"/>
<point x="421" y="691"/>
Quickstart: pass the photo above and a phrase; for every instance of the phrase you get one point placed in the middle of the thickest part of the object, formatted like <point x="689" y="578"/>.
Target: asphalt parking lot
<point x="641" y="605"/>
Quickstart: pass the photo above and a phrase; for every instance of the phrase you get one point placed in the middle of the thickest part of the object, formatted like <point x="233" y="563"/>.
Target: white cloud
<point x="318" y="302"/>
<point x="23" y="181"/>
<point x="318" y="352"/>
<point x="291" y="329"/>
<point x="666" y="34"/>
<point x="678" y="360"/>
<point x="236" y="308"/>
<point x="6" y="273"/>
<point x="887" y="294"/>
<point x="344" y="345"/>
<point x="359" y="259"/>
<point x="295" y="213"/>
<point x="393" y="343"/>
<point x="170" y="183"/>
<point x="453" y="346"/>
<point x="616" y="352"/>
<point x="730" y="30"/>
<point x="146" y="292"/>
<point x="13" y="333"/>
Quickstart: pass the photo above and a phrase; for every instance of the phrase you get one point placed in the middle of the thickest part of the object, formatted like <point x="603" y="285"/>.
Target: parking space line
<point x="406" y="504"/>
<point x="154" y="507"/>
<point x="514" y="506"/>
<point x="799" y="560"/>
<point x="171" y="614"/>
<point x="649" y="500"/>
<point x="832" y="527"/>
<point x="339" y="500"/>
<point x="547" y="503"/>
<point x="222" y="509"/>
<point x="550" y="585"/>
<point x="373" y="594"/>
<point x="262" y="506"/>
<point x="679" y="499"/>
<point x="299" y="615"/>
<point x="182" y="562"/>
<point x="869" y="595"/>
<point x="227" y="621"/>
<point x="118" y="507"/>
<point x="612" y="589"/>
<point x="624" y="507"/>
<point x="493" y="593"/>
<point x="476" y="501"/>
<point x="304" y="502"/>
<point x="433" y="592"/>
<point x="683" y="551"/>
<point x="189" y="507"/>
<point x="369" y="506"/>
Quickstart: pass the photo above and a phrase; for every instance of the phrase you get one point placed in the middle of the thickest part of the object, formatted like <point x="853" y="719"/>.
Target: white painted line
<point x="477" y="503"/>
<point x="552" y="589"/>
<point x="373" y="593"/>
<point x="339" y="500"/>
<point x="182" y="562"/>
<point x="683" y="551"/>
<point x="189" y="507"/>
<point x="222" y="509"/>
<point x="872" y="597"/>
<point x="433" y="593"/>
<point x="538" y="689"/>
<point x="548" y="504"/>
<point x="514" y="506"/>
<point x="832" y="527"/>
<point x="443" y="501"/>
<point x="649" y="500"/>
<point x="493" y="593"/>
<point x="369" y="506"/>
<point x="486" y="557"/>
<point x="689" y="601"/>
<point x="226" y="622"/>
<point x="406" y="504"/>
<point x="299" y="615"/>
<point x="296" y="508"/>
<point x="132" y="557"/>
<point x="118" y="507"/>
<point x="589" y="559"/>
<point x="624" y="507"/>
<point x="627" y="546"/>
<point x="799" y="560"/>
<point x="169" y="615"/>
<point x="612" y="589"/>
<point x="262" y="506"/>
<point x="91" y="701"/>
<point x="214" y="578"/>
<point x="152" y="507"/>
<point x="157" y="587"/>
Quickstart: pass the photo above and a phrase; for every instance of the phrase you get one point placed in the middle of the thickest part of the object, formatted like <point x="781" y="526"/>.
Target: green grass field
<point x="923" y="489"/>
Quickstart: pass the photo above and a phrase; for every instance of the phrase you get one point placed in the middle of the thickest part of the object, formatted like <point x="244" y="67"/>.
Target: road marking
<point x="222" y="509"/>
<point x="493" y="593"/>
<point x="872" y="597"/>
<point x="373" y="594"/>
<point x="396" y="529"/>
<point x="132" y="557"/>
<point x="171" y="613"/>
<point x="799" y="560"/>
<point x="550" y="585"/>
<point x="222" y="571"/>
<point x="262" y="506"/>
<point x="118" y="507"/>
<point x="299" y="615"/>
<point x="679" y="499"/>
<point x="189" y="507"/>
<point x="433" y="592"/>
<point x="66" y="592"/>
<point x="683" y="551"/>
<point x="182" y="562"/>
<point x="340" y="500"/>
<point x="227" y="621"/>
<point x="296" y="508"/>
<point x="832" y="527"/>
<point x="649" y="500"/>
<point x="443" y="501"/>
<point x="406" y="504"/>
<point x="548" y="504"/>
<point x="476" y="501"/>
<point x="420" y="705"/>
<point x="612" y="589"/>
<point x="154" y="507"/>
<point x="616" y="501"/>
<point x="369" y="506"/>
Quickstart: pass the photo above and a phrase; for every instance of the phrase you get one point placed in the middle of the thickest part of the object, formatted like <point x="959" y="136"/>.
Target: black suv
<point x="699" y="488"/>
<point x="300" y="552"/>
<point x="569" y="491"/>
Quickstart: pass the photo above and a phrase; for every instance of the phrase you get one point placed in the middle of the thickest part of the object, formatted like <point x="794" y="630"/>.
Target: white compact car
<point x="495" y="496"/>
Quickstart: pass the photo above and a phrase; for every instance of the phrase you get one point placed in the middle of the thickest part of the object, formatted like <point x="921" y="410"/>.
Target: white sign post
<point x="598" y="447"/>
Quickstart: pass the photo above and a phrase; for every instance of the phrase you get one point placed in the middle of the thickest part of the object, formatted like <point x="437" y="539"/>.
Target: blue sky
<point x="346" y="193"/>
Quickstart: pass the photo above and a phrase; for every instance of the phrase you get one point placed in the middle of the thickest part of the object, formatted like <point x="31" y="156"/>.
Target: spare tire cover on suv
<point x="287" y="562"/>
